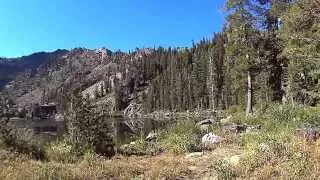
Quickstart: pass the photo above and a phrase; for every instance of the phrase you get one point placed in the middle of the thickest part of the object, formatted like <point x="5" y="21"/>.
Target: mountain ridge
<point x="49" y="77"/>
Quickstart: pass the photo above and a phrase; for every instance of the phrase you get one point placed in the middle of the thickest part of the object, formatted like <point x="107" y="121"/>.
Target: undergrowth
<point x="275" y="151"/>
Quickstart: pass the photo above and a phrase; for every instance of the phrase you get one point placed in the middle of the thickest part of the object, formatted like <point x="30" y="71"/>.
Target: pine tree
<point x="243" y="37"/>
<point x="88" y="127"/>
<point x="215" y="71"/>
<point x="301" y="34"/>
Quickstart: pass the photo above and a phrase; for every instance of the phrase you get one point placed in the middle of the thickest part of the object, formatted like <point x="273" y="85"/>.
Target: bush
<point x="283" y="114"/>
<point x="279" y="116"/>
<point x="142" y="147"/>
<point x="138" y="147"/>
<point x="273" y="147"/>
<point x="308" y="116"/>
<point x="92" y="157"/>
<point x="21" y="140"/>
<point x="181" y="138"/>
<point x="272" y="152"/>
<point x="61" y="151"/>
<point x="24" y="141"/>
<point x="273" y="142"/>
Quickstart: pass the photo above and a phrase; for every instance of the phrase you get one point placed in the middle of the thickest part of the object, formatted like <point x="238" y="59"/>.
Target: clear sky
<point x="28" y="26"/>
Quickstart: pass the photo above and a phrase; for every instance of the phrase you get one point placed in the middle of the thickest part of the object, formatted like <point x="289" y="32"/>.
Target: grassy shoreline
<point x="275" y="151"/>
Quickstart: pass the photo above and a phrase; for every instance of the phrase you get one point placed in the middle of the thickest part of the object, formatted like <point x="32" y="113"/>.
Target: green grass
<point x="276" y="145"/>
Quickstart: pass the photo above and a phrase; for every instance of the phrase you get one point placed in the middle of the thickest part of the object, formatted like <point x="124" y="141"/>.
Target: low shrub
<point x="61" y="151"/>
<point x="291" y="116"/>
<point x="142" y="147"/>
<point x="181" y="138"/>
<point x="279" y="116"/>
<point x="272" y="151"/>
<point x="24" y="141"/>
<point x="91" y="156"/>
<point x="138" y="147"/>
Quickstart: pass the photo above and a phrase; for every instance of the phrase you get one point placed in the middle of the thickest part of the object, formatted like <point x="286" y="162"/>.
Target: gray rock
<point x="210" y="141"/>
<point x="152" y="136"/>
<point x="132" y="143"/>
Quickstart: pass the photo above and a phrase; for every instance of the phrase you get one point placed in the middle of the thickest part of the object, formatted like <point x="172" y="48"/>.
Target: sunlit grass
<point x="275" y="151"/>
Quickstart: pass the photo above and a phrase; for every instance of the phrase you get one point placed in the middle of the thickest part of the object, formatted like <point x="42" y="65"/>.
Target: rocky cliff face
<point x="50" y="77"/>
<point x="10" y="68"/>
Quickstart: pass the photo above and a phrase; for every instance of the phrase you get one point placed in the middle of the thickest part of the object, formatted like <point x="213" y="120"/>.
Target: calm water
<point x="126" y="129"/>
<point x="123" y="129"/>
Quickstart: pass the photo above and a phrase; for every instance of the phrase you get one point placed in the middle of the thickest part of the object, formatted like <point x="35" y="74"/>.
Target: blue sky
<point x="28" y="26"/>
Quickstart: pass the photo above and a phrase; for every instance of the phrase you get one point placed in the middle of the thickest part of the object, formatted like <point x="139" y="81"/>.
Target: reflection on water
<point x="47" y="129"/>
<point x="123" y="129"/>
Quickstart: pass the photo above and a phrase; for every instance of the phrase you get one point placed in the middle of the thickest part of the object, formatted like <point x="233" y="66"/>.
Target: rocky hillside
<point x="10" y="68"/>
<point x="51" y="77"/>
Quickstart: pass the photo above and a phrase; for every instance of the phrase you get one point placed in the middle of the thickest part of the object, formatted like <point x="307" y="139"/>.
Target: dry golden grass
<point x="303" y="164"/>
<point x="165" y="166"/>
<point x="147" y="167"/>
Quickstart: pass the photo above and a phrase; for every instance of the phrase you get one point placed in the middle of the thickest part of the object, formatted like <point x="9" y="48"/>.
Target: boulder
<point x="59" y="117"/>
<point x="210" y="141"/>
<point x="152" y="136"/>
<point x="133" y="110"/>
<point x="132" y="143"/>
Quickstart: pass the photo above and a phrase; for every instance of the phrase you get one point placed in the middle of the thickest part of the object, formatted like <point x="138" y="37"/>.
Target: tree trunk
<point x="285" y="84"/>
<point x="211" y="85"/>
<point x="249" y="98"/>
